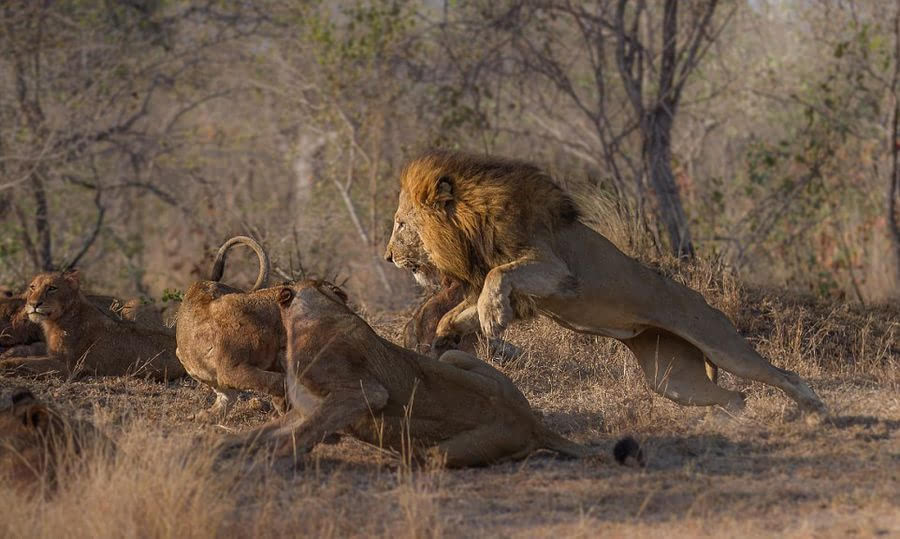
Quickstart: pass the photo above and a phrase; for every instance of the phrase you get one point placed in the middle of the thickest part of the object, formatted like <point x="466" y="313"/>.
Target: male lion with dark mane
<point x="514" y="237"/>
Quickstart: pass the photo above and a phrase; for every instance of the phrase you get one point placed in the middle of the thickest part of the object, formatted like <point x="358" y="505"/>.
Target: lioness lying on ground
<point x="82" y="339"/>
<point x="514" y="238"/>
<point x="341" y="376"/>
<point x="231" y="340"/>
<point x="35" y="439"/>
<point x="20" y="337"/>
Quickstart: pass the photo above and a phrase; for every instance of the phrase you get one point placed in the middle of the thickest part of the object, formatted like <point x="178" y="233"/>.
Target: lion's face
<point x="405" y="248"/>
<point x="50" y="294"/>
<point x="313" y="299"/>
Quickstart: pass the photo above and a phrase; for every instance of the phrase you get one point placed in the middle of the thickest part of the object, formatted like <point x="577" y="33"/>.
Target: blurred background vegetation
<point x="137" y="135"/>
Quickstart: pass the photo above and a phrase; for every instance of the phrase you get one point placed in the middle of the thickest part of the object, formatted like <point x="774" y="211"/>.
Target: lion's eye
<point x="31" y="287"/>
<point x="400" y="225"/>
<point x="51" y="288"/>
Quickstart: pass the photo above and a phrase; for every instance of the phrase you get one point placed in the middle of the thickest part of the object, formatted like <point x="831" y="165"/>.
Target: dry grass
<point x="762" y="473"/>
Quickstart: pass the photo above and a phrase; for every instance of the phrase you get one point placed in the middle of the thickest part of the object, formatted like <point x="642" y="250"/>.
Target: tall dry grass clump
<point x="153" y="486"/>
<point x="175" y="485"/>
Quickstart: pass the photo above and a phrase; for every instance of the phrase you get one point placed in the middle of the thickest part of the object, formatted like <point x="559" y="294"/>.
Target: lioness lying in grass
<point x="342" y="376"/>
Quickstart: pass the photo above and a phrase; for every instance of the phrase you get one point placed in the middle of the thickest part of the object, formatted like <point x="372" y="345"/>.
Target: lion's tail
<point x="626" y="451"/>
<point x="219" y="265"/>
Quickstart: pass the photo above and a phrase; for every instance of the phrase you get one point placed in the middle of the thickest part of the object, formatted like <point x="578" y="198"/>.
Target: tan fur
<point x="342" y="376"/>
<point x="15" y="328"/>
<point x="421" y="329"/>
<point x="513" y="236"/>
<point x="231" y="340"/>
<point x="150" y="315"/>
<point x="20" y="337"/>
<point x="462" y="243"/>
<point x="36" y="440"/>
<point x="82" y="339"/>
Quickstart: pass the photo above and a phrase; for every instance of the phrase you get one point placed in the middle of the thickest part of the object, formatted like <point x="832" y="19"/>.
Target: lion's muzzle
<point x="35" y="312"/>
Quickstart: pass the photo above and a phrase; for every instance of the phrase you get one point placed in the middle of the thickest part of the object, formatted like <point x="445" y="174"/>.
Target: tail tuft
<point x="629" y="453"/>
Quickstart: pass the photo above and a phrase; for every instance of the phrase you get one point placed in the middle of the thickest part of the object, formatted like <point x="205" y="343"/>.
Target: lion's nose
<point x="389" y="256"/>
<point x="36" y="304"/>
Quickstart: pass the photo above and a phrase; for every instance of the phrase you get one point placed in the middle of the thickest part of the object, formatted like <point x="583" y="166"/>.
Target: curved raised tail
<point x="219" y="265"/>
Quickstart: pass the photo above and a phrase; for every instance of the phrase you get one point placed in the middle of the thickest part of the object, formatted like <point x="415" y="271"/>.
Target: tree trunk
<point x="893" y="208"/>
<point x="893" y="203"/>
<point x="657" y="150"/>
<point x="41" y="220"/>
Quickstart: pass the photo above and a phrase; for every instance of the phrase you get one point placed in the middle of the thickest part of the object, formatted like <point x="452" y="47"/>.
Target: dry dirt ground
<point x="765" y="472"/>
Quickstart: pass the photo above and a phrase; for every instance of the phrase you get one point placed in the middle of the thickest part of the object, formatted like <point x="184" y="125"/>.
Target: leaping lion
<point x="514" y="237"/>
<point x="342" y="376"/>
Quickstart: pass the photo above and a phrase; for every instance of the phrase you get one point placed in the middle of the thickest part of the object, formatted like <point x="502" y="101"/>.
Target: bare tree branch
<point x="92" y="237"/>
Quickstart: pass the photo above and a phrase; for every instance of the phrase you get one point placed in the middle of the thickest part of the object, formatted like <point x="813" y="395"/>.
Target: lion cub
<point x="81" y="338"/>
<point x="231" y="340"/>
<point x="35" y="439"/>
<point x="342" y="376"/>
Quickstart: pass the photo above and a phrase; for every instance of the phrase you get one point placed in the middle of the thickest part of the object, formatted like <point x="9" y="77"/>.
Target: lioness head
<point x="313" y="297"/>
<point x="51" y="294"/>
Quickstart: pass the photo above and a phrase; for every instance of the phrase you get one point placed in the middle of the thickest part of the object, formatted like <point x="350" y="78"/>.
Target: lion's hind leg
<point x="219" y="410"/>
<point x="725" y="347"/>
<point x="249" y="378"/>
<point x="676" y="369"/>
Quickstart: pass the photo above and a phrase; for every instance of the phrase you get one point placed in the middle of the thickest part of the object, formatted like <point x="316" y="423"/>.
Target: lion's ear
<point x="34" y="416"/>
<point x="73" y="276"/>
<point x="21" y="396"/>
<point x="285" y="295"/>
<point x="443" y="193"/>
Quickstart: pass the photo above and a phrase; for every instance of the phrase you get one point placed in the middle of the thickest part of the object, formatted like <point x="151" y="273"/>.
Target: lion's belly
<point x="576" y="323"/>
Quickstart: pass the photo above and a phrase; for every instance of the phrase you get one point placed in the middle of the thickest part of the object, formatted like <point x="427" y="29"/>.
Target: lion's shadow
<point x="717" y="453"/>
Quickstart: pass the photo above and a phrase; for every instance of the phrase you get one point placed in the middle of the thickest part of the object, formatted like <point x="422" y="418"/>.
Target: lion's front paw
<point x="443" y="343"/>
<point x="494" y="313"/>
